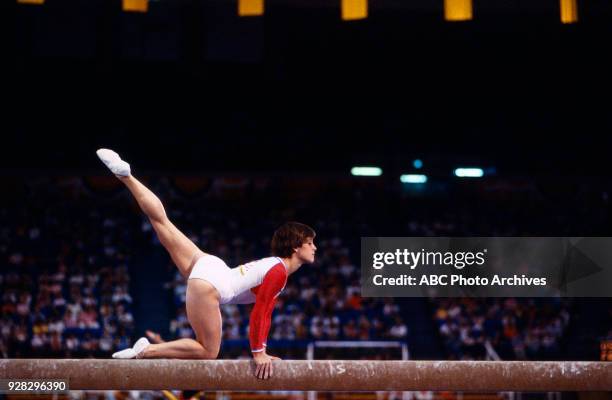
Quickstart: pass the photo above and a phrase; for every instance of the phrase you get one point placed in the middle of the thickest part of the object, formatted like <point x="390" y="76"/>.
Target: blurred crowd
<point x="517" y="328"/>
<point x="64" y="281"/>
<point x="66" y="249"/>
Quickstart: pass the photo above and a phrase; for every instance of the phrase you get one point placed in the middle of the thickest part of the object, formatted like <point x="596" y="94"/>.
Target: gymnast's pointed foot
<point x="134" y="352"/>
<point x="114" y="162"/>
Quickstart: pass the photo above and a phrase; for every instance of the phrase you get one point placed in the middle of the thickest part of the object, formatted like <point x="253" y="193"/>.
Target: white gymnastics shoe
<point x="134" y="352"/>
<point x="114" y="162"/>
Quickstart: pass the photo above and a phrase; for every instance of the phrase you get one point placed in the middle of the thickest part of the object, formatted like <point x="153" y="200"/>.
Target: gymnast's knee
<point x="207" y="353"/>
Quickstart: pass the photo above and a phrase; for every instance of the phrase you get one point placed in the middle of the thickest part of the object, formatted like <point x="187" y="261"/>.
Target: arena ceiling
<point x="195" y="85"/>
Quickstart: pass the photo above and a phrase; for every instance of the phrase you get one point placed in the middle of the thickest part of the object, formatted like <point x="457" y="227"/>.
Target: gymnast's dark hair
<point x="289" y="236"/>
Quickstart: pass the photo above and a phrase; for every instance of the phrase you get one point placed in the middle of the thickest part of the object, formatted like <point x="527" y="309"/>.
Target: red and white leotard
<point x="258" y="282"/>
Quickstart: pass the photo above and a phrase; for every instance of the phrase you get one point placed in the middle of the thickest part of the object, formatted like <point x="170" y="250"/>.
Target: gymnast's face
<point x="306" y="252"/>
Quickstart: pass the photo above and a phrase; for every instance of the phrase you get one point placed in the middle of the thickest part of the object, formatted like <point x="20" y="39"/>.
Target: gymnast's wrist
<point x="259" y="354"/>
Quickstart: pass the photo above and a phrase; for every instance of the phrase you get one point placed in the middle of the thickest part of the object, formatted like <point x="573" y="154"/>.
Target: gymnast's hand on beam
<point x="263" y="363"/>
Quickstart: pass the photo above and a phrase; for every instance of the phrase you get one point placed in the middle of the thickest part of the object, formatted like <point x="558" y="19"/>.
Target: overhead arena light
<point x="366" y="171"/>
<point x="469" y="172"/>
<point x="354" y="9"/>
<point x="136" y="5"/>
<point x="413" y="178"/>
<point x="569" y="11"/>
<point x="250" y="8"/>
<point x="458" y="10"/>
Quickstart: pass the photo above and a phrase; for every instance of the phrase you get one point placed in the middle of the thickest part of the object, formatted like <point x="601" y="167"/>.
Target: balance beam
<point x="333" y="375"/>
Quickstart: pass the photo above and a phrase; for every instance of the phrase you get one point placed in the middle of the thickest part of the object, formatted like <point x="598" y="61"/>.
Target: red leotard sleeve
<point x="265" y="299"/>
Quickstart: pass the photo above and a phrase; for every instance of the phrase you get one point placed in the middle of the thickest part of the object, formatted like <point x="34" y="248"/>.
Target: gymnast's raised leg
<point x="202" y="298"/>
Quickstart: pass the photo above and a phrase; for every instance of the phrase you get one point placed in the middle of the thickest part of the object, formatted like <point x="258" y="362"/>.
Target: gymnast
<point x="212" y="283"/>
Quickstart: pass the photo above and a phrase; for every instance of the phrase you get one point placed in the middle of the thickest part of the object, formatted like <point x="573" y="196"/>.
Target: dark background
<point x="191" y="86"/>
